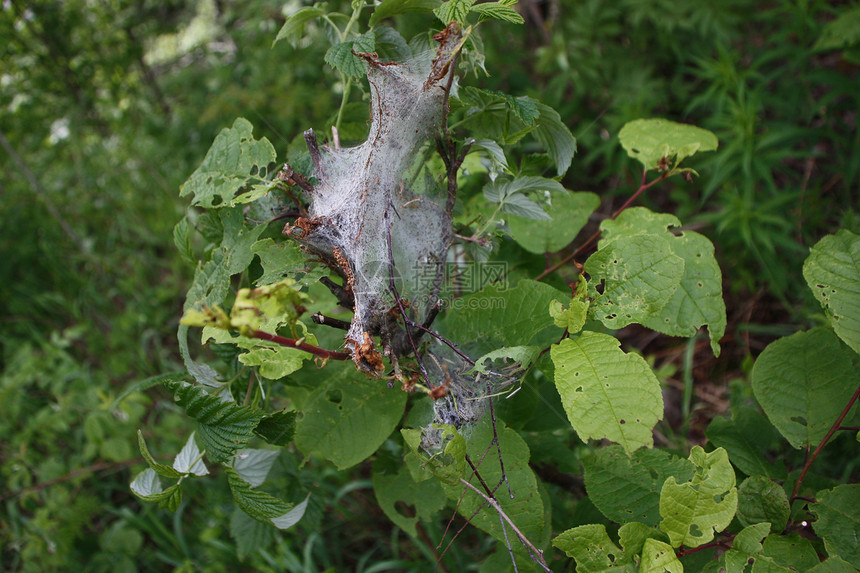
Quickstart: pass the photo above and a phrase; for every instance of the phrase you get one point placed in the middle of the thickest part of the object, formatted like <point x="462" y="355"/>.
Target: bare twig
<point x="299" y="345"/>
<point x="320" y="318"/>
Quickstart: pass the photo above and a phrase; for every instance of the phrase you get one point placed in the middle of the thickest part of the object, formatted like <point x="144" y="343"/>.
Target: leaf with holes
<point x="234" y="159"/>
<point x="348" y="417"/>
<point x="832" y="271"/>
<point x="803" y="382"/>
<point x="639" y="275"/>
<point x="404" y="501"/>
<point x="224" y="426"/>
<point x="605" y="392"/>
<point x="592" y="549"/>
<point x="650" y="140"/>
<point x="659" y="557"/>
<point x="693" y="510"/>
<point x="838" y="521"/>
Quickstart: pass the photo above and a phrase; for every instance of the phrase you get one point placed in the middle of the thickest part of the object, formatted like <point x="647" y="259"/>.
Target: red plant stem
<point x="642" y="187"/>
<point x="717" y="543"/>
<point x="315" y="350"/>
<point x="820" y="447"/>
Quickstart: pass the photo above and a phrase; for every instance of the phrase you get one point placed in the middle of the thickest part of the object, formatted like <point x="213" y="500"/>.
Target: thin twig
<point x="299" y="345"/>
<point x="320" y="318"/>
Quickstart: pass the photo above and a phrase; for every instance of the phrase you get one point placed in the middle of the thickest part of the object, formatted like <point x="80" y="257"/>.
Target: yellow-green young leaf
<point x="208" y="317"/>
<point x="627" y="488"/>
<point x="397" y="491"/>
<point x="761" y="500"/>
<point x="294" y="27"/>
<point x="341" y="57"/>
<point x="569" y="212"/>
<point x="698" y="301"/>
<point x="348" y="417"/>
<point x="278" y="301"/>
<point x="591" y="548"/>
<point x="832" y="271"/>
<point x="633" y="536"/>
<point x="573" y="317"/>
<point x="605" y="392"/>
<point x="639" y="274"/>
<point x="658" y="557"/>
<point x="692" y="511"/>
<point x="274" y="363"/>
<point x="746" y="547"/>
<point x="649" y="140"/>
<point x="803" y="382"/>
<point x="838" y="521"/>
<point x="234" y="158"/>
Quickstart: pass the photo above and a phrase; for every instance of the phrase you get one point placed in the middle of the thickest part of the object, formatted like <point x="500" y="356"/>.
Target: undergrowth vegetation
<point x="539" y="372"/>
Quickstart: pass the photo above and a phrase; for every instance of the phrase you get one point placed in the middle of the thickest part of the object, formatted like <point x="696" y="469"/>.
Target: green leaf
<point x="293" y="516"/>
<point x="803" y="382"/>
<point x="526" y="509"/>
<point x="389" y="8"/>
<point x="525" y="355"/>
<point x="294" y="27"/>
<point x="649" y="140"/>
<point x="277" y="429"/>
<point x="747" y="437"/>
<point x="189" y="460"/>
<point x="843" y="32"/>
<point x="498" y="11"/>
<point x="258" y="504"/>
<point x="160" y="469"/>
<point x="493" y="149"/>
<point x="341" y="57"/>
<point x="833" y="565"/>
<point x="569" y="212"/>
<point x="572" y="318"/>
<point x="832" y="271"/>
<point x="837" y="513"/>
<point x="658" y="557"/>
<point x="508" y="192"/>
<point x="497" y="105"/>
<point x="280" y="260"/>
<point x="453" y="10"/>
<point x="253" y="465"/>
<point x="633" y="536"/>
<point x="698" y="301"/>
<point x="746" y="547"/>
<point x="348" y="417"/>
<point x="627" y="488"/>
<point x="147" y="487"/>
<point x="404" y="501"/>
<point x="274" y="363"/>
<point x="182" y="241"/>
<point x="555" y="137"/>
<point x="224" y="426"/>
<point x="789" y="553"/>
<point x="692" y="511"/>
<point x="234" y="158"/>
<point x="500" y="316"/>
<point x="639" y="274"/>
<point x="249" y="534"/>
<point x="591" y="547"/>
<point x="763" y="500"/>
<point x="605" y="392"/>
<point x="390" y="46"/>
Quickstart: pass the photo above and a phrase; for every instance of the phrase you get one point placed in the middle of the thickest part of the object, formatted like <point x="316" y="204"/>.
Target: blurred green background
<point x="106" y="108"/>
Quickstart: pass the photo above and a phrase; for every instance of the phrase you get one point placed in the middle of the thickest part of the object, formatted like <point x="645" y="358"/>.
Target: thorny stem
<point x="588" y="242"/>
<point x="536" y="554"/>
<point x="820" y="447"/>
<point x="298" y="344"/>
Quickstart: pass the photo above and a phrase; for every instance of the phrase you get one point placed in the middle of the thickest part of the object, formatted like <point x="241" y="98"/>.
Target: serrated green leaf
<point x="500" y="316"/>
<point x="182" y="240"/>
<point x="294" y="27"/>
<point x="555" y="137"/>
<point x="692" y="511"/>
<point x="256" y="503"/>
<point x="249" y="534"/>
<point x="189" y="460"/>
<point x="293" y="516"/>
<point x="627" y="488"/>
<point x="498" y="105"/>
<point x="453" y="10"/>
<point x="253" y="465"/>
<point x="838" y="521"/>
<point x="234" y="158"/>
<point x="658" y="557"/>
<point x="498" y="11"/>
<point x="605" y="392"/>
<point x="761" y="500"/>
<point x="591" y="547"/>
<point x="639" y="274"/>
<point x="160" y="469"/>
<point x="341" y="57"/>
<point x="526" y="509"/>
<point x="569" y="212"/>
<point x="389" y="8"/>
<point x="348" y="417"/>
<point x="522" y="206"/>
<point x="649" y="140"/>
<point x="493" y="149"/>
<point x="841" y="33"/>
<point x="698" y="301"/>
<point x="390" y="46"/>
<point x="277" y="429"/>
<point x="803" y="382"/>
<point x="509" y="192"/>
<point x="747" y="437"/>
<point x="404" y="501"/>
<point x="224" y="426"/>
<point x="746" y="547"/>
<point x="832" y="271"/>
